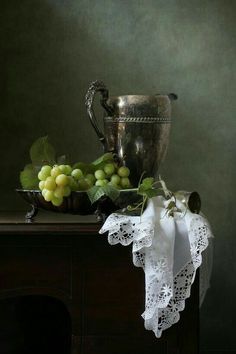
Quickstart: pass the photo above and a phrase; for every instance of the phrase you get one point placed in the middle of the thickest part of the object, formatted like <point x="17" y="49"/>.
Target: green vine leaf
<point x="147" y="182"/>
<point x="150" y="193"/>
<point x="42" y="152"/>
<point x="96" y="192"/>
<point x="29" y="177"/>
<point x="103" y="160"/>
<point x="146" y="188"/>
<point x="107" y="157"/>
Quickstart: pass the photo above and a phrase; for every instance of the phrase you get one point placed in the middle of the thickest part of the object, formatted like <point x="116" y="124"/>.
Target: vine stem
<point x="141" y="177"/>
<point x="136" y="207"/>
<point x="143" y="204"/>
<point x="168" y="194"/>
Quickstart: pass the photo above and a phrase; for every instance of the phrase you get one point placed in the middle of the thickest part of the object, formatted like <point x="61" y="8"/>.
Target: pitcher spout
<point x="172" y="96"/>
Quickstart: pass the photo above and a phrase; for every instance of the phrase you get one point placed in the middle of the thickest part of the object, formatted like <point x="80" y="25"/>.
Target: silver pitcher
<point x="136" y="128"/>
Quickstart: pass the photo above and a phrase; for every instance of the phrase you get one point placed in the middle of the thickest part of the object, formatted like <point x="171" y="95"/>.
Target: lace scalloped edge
<point x="180" y="305"/>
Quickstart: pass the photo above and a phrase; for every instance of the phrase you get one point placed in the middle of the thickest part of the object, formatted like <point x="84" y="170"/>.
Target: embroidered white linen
<point x="169" y="251"/>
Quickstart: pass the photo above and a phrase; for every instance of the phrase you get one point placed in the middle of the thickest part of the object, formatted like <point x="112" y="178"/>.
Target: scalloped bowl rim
<point x="77" y="192"/>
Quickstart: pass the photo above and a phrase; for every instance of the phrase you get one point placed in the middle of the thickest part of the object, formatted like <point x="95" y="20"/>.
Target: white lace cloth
<point x="169" y="249"/>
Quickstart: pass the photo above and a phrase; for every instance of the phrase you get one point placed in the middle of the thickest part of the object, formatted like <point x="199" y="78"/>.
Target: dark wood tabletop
<point x="14" y="222"/>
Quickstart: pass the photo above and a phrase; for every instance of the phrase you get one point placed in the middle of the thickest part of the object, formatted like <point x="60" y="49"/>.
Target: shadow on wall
<point x="51" y="50"/>
<point x="43" y="88"/>
<point x="49" y="54"/>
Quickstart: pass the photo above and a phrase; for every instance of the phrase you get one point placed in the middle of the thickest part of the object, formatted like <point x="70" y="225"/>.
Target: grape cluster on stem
<point x="58" y="181"/>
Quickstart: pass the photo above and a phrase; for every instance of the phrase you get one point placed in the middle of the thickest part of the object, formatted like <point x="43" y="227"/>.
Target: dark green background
<point x="50" y="50"/>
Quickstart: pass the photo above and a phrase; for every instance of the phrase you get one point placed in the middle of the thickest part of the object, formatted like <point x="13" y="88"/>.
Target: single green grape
<point x="44" y="191"/>
<point x="114" y="185"/>
<point x="100" y="174"/>
<point x="90" y="177"/>
<point x="101" y="182"/>
<point x="59" y="192"/>
<point x="62" y="180"/>
<point x="68" y="169"/>
<point x="115" y="179"/>
<point x="46" y="169"/>
<point x="44" y="172"/>
<point x="50" y="183"/>
<point x="63" y="169"/>
<point x="67" y="191"/>
<point x="123" y="171"/>
<point x="125" y="182"/>
<point x="77" y="173"/>
<point x="109" y="169"/>
<point x="42" y="176"/>
<point x="72" y="183"/>
<point x="57" y="201"/>
<point x="82" y="185"/>
<point x="48" y="196"/>
<point x="41" y="185"/>
<point x="55" y="171"/>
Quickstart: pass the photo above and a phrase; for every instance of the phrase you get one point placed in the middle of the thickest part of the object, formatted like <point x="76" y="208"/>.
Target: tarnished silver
<point x="136" y="128"/>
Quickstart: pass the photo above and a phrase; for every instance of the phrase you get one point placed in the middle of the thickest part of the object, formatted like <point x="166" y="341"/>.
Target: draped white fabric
<point x="169" y="249"/>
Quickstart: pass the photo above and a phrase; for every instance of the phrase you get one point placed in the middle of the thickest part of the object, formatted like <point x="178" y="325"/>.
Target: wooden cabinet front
<point x="98" y="283"/>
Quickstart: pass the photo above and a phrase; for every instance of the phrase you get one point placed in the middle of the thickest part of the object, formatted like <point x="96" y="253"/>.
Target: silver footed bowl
<point x="78" y="202"/>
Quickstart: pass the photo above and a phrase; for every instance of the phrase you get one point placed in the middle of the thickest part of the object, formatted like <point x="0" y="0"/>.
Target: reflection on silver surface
<point x="192" y="199"/>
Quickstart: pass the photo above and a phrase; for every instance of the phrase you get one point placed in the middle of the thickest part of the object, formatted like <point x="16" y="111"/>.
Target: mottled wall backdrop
<point x="52" y="49"/>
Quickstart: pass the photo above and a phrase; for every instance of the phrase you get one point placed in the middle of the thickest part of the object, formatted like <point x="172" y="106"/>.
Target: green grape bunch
<point x="58" y="181"/>
<point x="55" y="183"/>
<point x="111" y="174"/>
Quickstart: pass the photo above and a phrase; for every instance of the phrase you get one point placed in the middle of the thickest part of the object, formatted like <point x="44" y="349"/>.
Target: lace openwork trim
<point x="165" y="294"/>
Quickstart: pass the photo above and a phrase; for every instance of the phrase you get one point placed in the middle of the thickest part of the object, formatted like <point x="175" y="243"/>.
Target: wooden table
<point x="64" y="257"/>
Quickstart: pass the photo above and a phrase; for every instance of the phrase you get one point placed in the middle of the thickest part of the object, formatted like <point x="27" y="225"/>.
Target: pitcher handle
<point x="94" y="87"/>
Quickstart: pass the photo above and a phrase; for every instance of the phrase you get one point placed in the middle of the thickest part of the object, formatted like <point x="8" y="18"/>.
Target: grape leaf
<point x="141" y="190"/>
<point x="42" y="152"/>
<point x="150" y="193"/>
<point x="29" y="177"/>
<point x="146" y="188"/>
<point x="145" y="185"/>
<point x="147" y="182"/>
<point x="96" y="192"/>
<point x="105" y="158"/>
<point x="30" y="167"/>
<point x="111" y="192"/>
